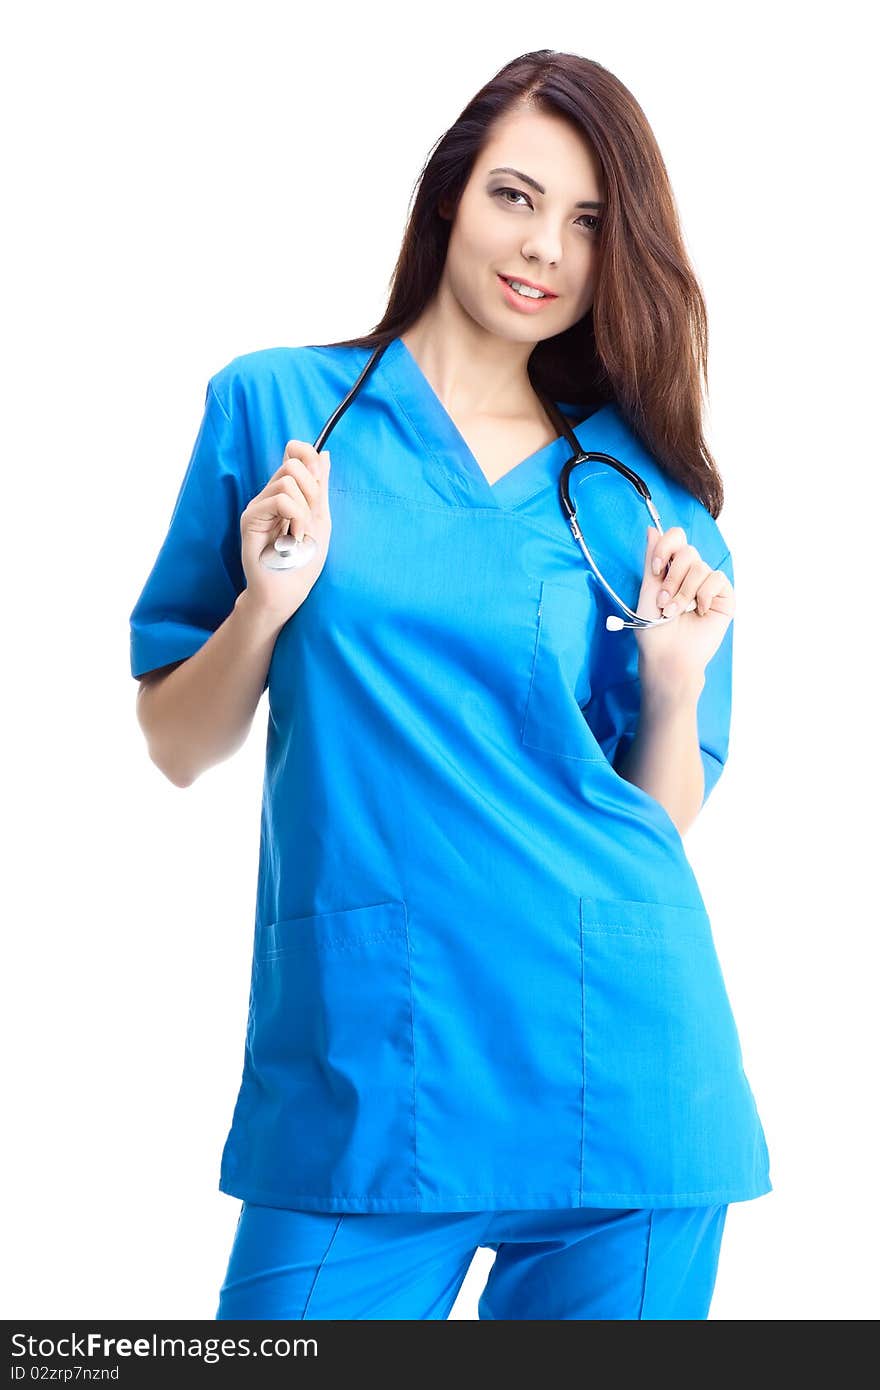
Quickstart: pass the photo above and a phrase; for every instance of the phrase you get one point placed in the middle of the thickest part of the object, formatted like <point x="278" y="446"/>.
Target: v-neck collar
<point x="442" y="438"/>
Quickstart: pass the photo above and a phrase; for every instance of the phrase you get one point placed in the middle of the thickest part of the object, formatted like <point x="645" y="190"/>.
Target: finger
<point x="666" y="548"/>
<point x="302" y="474"/>
<point x="652" y="537"/>
<point x="289" y="485"/>
<point x="686" y="572"/>
<point x="686" y="591"/>
<point x="282" y="501"/>
<point x="302" y="516"/>
<point x="716" y="594"/>
<point x="298" y="448"/>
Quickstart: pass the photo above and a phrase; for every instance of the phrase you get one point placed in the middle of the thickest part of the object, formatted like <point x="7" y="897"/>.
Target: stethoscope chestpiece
<point x="288" y="553"/>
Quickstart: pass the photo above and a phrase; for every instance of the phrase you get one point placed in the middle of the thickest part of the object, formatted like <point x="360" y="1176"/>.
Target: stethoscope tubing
<point x="569" y="511"/>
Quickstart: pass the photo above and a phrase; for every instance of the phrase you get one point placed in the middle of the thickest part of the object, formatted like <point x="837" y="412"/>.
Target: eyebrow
<point x="533" y="183"/>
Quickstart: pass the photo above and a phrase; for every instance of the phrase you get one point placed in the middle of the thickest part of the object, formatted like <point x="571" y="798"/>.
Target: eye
<point x="590" y="217"/>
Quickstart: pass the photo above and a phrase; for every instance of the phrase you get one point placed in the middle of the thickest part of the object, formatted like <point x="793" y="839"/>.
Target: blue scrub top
<point x="483" y="973"/>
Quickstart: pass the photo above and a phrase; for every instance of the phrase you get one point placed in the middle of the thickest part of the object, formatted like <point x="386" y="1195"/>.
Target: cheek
<point x="477" y="250"/>
<point x="590" y="277"/>
<point x="469" y="262"/>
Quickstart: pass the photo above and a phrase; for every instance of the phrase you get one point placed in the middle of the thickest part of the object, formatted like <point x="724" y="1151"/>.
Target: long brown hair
<point x="643" y="343"/>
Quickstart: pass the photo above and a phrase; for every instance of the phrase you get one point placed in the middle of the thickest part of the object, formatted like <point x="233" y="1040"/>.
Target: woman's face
<point x="506" y="226"/>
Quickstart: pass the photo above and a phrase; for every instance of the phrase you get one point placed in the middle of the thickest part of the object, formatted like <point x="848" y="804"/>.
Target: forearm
<point x="200" y="713"/>
<point x="664" y="758"/>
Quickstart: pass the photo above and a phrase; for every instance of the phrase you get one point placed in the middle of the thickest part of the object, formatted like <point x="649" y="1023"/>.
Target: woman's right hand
<point x="294" y="500"/>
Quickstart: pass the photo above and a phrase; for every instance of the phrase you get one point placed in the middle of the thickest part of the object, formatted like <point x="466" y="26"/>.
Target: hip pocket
<point x="554" y="722"/>
<point x="667" y="1106"/>
<point x="333" y="1052"/>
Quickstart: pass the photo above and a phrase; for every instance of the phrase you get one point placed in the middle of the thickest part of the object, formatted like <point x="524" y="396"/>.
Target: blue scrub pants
<point x="590" y="1263"/>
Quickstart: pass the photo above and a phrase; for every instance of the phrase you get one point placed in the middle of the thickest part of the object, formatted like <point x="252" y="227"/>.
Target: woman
<point x="486" y="1008"/>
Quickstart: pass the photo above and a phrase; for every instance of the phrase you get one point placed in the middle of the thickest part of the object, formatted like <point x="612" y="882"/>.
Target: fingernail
<point x="656" y="565"/>
<point x="672" y="610"/>
<point x="662" y="597"/>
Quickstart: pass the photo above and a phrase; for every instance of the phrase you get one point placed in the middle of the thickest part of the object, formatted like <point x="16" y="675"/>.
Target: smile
<point x="525" y="298"/>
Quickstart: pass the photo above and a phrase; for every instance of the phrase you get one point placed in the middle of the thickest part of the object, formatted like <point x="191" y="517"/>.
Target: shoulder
<point x="246" y="381"/>
<point x="706" y="535"/>
<point x="260" y="399"/>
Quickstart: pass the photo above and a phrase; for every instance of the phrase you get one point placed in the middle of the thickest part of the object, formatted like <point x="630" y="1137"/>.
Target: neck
<point x="473" y="372"/>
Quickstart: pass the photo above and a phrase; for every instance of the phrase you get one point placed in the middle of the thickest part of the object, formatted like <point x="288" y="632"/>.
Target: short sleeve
<point x="197" y="574"/>
<point x="612" y="711"/>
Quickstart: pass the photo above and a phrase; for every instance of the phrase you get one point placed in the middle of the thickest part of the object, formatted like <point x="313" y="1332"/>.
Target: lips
<point x="530" y="284"/>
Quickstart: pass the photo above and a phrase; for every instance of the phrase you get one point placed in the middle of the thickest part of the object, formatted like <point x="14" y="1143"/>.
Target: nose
<point x="542" y="247"/>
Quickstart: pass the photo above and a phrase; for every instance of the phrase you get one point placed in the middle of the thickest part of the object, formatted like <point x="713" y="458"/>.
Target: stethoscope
<point x="289" y="553"/>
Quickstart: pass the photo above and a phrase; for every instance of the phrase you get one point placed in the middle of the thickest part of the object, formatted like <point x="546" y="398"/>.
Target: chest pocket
<point x="568" y="624"/>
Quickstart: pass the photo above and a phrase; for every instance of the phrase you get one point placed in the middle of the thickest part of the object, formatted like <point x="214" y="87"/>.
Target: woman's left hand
<point x="677" y="653"/>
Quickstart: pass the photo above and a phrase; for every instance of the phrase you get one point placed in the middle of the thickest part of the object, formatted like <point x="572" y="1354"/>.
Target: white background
<point x="185" y="183"/>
